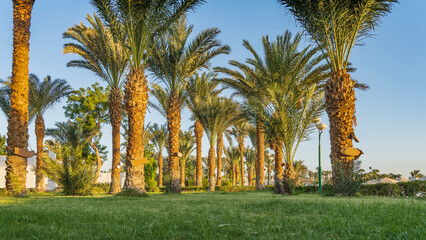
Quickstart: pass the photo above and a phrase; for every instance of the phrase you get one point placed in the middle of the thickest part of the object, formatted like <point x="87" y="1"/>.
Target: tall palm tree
<point x="186" y="147"/>
<point x="104" y="55"/>
<point x="240" y="131"/>
<point x="300" y="170"/>
<point x="199" y="88"/>
<point x="159" y="140"/>
<point x="250" y="156"/>
<point x="173" y="61"/>
<point x="139" y="25"/>
<point x="212" y="115"/>
<point x="233" y="154"/>
<point x="17" y="129"/>
<point x="43" y="95"/>
<point x="336" y="27"/>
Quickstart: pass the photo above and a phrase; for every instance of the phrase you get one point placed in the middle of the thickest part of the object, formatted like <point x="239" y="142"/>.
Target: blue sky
<point x="390" y="115"/>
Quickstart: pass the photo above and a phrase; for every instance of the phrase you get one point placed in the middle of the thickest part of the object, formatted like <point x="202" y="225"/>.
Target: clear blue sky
<point x="391" y="115"/>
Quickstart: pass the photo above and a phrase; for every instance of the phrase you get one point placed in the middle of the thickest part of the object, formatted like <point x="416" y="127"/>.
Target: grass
<point x="243" y="215"/>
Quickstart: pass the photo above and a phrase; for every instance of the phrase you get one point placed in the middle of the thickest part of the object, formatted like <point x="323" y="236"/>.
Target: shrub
<point x="73" y="176"/>
<point x="101" y="187"/>
<point x="132" y="192"/>
<point x="402" y="189"/>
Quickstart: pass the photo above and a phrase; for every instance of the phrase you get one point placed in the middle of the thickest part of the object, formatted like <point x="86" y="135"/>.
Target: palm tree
<point x="17" y="130"/>
<point x="43" y="95"/>
<point x="199" y="88"/>
<point x="173" y="62"/>
<point x="240" y="131"/>
<point x="336" y="27"/>
<point x="212" y="116"/>
<point x="416" y="174"/>
<point x="5" y="96"/>
<point x="233" y="154"/>
<point x="159" y="140"/>
<point x="104" y="55"/>
<point x="139" y="25"/>
<point x="300" y="170"/>
<point x="250" y="155"/>
<point x="186" y="147"/>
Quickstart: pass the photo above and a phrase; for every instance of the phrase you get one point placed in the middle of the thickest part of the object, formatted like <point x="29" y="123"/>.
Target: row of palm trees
<point x="281" y="92"/>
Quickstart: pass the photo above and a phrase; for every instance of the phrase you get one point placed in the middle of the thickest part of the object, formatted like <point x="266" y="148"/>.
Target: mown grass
<point x="244" y="215"/>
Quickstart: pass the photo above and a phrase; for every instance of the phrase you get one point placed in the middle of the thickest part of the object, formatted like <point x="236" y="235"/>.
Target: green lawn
<point x="246" y="215"/>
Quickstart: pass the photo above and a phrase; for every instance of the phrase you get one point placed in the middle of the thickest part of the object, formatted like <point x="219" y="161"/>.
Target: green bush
<point x="101" y="187"/>
<point x="132" y="192"/>
<point x="73" y="176"/>
<point x="402" y="189"/>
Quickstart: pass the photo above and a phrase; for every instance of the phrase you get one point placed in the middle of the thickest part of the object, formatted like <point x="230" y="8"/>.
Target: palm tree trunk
<point x="198" y="130"/>
<point x="136" y="99"/>
<point x="340" y="107"/>
<point x="182" y="173"/>
<point x="116" y="116"/>
<point x="260" y="158"/>
<point x="212" y="163"/>
<point x="237" y="173"/>
<point x="160" y="169"/>
<point x="278" y="149"/>
<point x="98" y="161"/>
<point x="289" y="178"/>
<point x="17" y="129"/>
<point x="241" y="145"/>
<point x="234" y="179"/>
<point x="219" y="152"/>
<point x="173" y="123"/>
<point x="39" y="131"/>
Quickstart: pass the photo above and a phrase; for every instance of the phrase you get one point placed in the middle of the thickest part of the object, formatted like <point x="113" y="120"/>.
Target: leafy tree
<point x="336" y="27"/>
<point x="43" y="95"/>
<point x="233" y="154"/>
<point x="139" y="25"/>
<point x="3" y="150"/>
<point x="89" y="108"/>
<point x="104" y="55"/>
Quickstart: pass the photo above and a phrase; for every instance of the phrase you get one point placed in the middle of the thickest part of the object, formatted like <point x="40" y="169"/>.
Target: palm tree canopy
<point x="162" y="96"/>
<point x="213" y="113"/>
<point x="250" y="156"/>
<point x="5" y="92"/>
<point x="101" y="53"/>
<point x="186" y="145"/>
<point x="173" y="61"/>
<point x="141" y="23"/>
<point x="160" y="136"/>
<point x="45" y="93"/>
<point x="233" y="154"/>
<point x="336" y="26"/>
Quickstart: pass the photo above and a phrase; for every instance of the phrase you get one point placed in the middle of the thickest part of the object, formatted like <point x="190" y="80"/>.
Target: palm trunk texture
<point x="340" y="107"/>
<point x="260" y="158"/>
<point x="241" y="145"/>
<point x="234" y="175"/>
<point x="160" y="169"/>
<point x="39" y="131"/>
<point x="17" y="129"/>
<point x="116" y="116"/>
<point x="136" y="99"/>
<point x="198" y="130"/>
<point x="182" y="173"/>
<point x="212" y="163"/>
<point x="279" y="185"/>
<point x="250" y="176"/>
<point x="219" y="152"/>
<point x="173" y="123"/>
